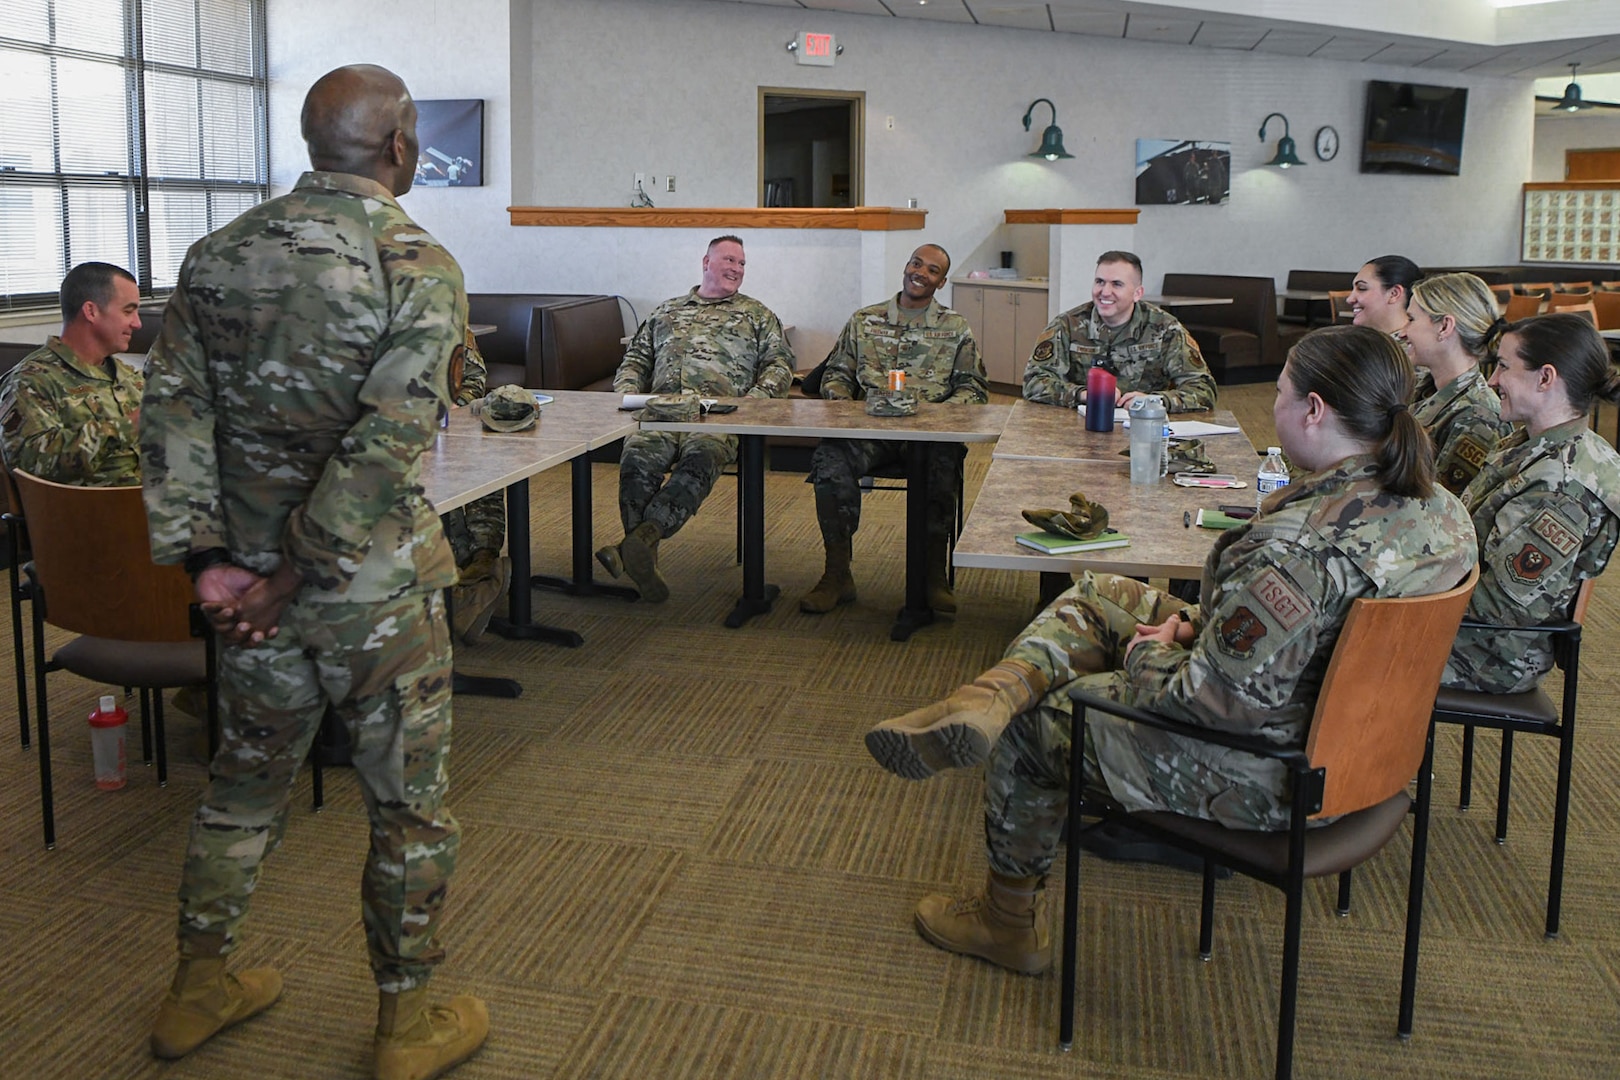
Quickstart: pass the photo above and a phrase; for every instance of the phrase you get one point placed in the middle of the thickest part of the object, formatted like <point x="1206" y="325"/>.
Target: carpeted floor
<point x="678" y="861"/>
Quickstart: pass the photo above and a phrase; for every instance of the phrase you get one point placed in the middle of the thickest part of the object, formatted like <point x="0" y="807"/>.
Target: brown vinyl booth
<point x="1239" y="340"/>
<point x="550" y="341"/>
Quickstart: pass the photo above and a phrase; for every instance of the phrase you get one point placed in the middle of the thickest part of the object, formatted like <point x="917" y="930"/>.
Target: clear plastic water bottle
<point x="1273" y="475"/>
<point x="107" y="726"/>
<point x="1147" y="439"/>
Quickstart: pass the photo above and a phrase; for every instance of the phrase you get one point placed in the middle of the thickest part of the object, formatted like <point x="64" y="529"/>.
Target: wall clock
<point x="1327" y="143"/>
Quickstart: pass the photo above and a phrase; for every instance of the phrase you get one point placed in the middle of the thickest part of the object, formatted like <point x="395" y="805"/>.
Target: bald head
<point x="360" y="119"/>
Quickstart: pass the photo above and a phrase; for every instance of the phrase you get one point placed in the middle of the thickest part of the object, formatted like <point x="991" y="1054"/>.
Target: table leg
<point x="757" y="596"/>
<point x="1052" y="586"/>
<point x="583" y="583"/>
<point x="916" y="614"/>
<point x="519" y="623"/>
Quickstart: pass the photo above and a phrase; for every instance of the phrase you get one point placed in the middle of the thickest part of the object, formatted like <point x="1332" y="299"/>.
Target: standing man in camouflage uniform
<point x="1147" y="350"/>
<point x="476" y="531"/>
<point x="1366" y="520"/>
<point x="69" y="410"/>
<point x="914" y="333"/>
<point x="295" y="388"/>
<point x="713" y="342"/>
<point x="1546" y="505"/>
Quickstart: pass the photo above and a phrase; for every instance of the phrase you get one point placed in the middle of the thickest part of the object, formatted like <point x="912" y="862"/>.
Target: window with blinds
<point x="128" y="129"/>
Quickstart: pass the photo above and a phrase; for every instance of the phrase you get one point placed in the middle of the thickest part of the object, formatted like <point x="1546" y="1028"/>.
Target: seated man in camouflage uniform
<point x="1142" y="345"/>
<point x="477" y="531"/>
<point x="715" y="342"/>
<point x="914" y="333"/>
<point x="68" y="411"/>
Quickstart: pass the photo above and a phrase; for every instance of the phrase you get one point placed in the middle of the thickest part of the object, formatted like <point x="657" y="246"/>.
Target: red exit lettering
<point x="818" y="44"/>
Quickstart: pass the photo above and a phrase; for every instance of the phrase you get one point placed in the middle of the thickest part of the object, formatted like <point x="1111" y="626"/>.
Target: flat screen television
<point x="1412" y="128"/>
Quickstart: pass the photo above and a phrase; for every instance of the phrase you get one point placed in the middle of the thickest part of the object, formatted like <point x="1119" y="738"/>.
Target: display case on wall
<point x="1571" y="223"/>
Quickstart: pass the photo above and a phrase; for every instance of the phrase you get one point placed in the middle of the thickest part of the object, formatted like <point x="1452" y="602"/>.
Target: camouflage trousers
<point x="1080" y="640"/>
<point x="479" y="528"/>
<point x="694" y="463"/>
<point x="384" y="668"/>
<point x="837" y="466"/>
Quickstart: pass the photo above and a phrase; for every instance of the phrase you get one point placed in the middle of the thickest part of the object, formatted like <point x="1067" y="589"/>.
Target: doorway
<point x="810" y="147"/>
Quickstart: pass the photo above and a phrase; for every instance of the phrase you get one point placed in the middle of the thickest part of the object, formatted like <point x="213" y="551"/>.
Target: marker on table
<point x="1186" y="519"/>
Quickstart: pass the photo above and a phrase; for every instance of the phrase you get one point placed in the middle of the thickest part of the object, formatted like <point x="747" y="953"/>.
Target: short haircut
<point x="93" y="282"/>
<point x="939" y="248"/>
<point x="1121" y="256"/>
<point x="728" y="238"/>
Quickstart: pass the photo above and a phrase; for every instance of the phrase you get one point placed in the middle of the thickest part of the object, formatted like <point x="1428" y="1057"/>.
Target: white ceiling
<point x="1490" y="37"/>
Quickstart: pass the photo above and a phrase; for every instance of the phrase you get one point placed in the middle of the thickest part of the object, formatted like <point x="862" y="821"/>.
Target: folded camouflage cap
<point x="672" y="408"/>
<point x="1186" y="456"/>
<point x="891" y="403"/>
<point x="507" y="408"/>
<point x="1083" y="519"/>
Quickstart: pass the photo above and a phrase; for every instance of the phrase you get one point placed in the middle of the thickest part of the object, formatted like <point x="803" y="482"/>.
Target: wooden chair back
<point x="1372" y="715"/>
<point x="1582" y="287"/>
<point x="1577" y="610"/>
<point x="1521" y="307"/>
<point x="93" y="560"/>
<point x="1586" y="309"/>
<point x="1608" y="286"/>
<point x="1567" y="299"/>
<point x="1542" y="289"/>
<point x="1607" y="305"/>
<point x="1503" y="294"/>
<point x="1339" y="305"/>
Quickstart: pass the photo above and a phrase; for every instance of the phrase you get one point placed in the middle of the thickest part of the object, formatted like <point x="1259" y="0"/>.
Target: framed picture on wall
<point x="1182" y="171"/>
<point x="452" y="136"/>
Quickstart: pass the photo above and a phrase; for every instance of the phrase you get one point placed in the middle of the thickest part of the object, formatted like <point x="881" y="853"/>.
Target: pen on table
<point x="1186" y="519"/>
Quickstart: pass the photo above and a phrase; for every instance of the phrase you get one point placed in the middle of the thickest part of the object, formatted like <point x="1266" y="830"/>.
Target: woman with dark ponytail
<point x="1364" y="520"/>
<point x="1455" y="327"/>
<point x="1381" y="292"/>
<point x="1546" y="505"/>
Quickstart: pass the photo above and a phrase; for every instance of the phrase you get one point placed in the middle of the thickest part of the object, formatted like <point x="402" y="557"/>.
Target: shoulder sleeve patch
<point x="1472" y="451"/>
<point x="1528" y="564"/>
<point x="1240" y="632"/>
<point x="1043" y="350"/>
<point x="1559" y="536"/>
<point x="1280" y="598"/>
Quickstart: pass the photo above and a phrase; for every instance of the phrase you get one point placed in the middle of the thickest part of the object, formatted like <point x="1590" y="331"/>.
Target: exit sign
<point x="818" y="50"/>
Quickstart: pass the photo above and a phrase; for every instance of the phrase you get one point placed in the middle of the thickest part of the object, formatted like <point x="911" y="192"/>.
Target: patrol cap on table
<point x="1083" y="520"/>
<point x="507" y="408"/>
<point x="891" y="403"/>
<point x="672" y="408"/>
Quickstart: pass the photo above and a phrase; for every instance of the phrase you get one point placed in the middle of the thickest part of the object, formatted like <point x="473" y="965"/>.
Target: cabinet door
<point x="997" y="345"/>
<point x="968" y="301"/>
<point x="1030" y="319"/>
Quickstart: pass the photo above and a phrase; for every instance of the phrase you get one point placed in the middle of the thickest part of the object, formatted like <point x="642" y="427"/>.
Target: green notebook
<point x="1214" y="519"/>
<point x="1055" y="544"/>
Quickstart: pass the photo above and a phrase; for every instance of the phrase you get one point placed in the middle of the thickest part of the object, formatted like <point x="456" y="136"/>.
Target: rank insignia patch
<point x="1558" y="535"/>
<point x="1241" y="631"/>
<point x="1529" y="564"/>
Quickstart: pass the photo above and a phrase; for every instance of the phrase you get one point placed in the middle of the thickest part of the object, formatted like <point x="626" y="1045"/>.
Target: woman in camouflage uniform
<point x="1546" y="505"/>
<point x="1365" y="520"/>
<point x="1454" y="328"/>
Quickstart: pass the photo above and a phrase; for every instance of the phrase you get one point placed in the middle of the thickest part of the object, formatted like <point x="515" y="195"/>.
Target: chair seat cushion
<point x="1329" y="849"/>
<point x="1532" y="705"/>
<point x="134" y="663"/>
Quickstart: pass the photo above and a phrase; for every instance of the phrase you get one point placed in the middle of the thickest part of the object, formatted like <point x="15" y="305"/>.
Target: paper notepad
<point x="1055" y="544"/>
<point x="1214" y="519"/>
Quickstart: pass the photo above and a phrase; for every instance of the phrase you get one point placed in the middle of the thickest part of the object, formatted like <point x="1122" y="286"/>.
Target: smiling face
<point x="113" y="324"/>
<point x="1115" y="291"/>
<point x="923" y="276"/>
<point x="722" y="270"/>
<point x="1518" y="382"/>
<point x="1425" y="335"/>
<point x="1374" y="305"/>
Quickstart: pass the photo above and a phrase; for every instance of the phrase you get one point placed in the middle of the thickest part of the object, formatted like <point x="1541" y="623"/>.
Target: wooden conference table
<point x="1045" y="453"/>
<point x="757" y="418"/>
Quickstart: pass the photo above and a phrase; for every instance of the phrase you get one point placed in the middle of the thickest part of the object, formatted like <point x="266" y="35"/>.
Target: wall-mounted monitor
<point x="1412" y="128"/>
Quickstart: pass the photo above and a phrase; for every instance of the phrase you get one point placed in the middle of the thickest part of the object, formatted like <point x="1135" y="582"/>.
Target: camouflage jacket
<point x="1152" y="353"/>
<point x="72" y="422"/>
<point x="295" y="387"/>
<point x="729" y="347"/>
<point x="1545" y="509"/>
<point x="936" y="350"/>
<point x="1464" y="419"/>
<point x="1275" y="594"/>
<point x="469" y="374"/>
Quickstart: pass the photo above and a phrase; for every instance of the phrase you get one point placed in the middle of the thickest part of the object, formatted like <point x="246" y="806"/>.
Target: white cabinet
<point x="1006" y="318"/>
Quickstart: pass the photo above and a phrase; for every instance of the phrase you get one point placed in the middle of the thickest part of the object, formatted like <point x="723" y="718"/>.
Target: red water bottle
<point x="107" y="726"/>
<point x="1100" y="385"/>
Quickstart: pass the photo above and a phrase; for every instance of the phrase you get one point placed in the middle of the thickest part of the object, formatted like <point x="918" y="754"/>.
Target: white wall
<point x="1555" y="134"/>
<point x="613" y="87"/>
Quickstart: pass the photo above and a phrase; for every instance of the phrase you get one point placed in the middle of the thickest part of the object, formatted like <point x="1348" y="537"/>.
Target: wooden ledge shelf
<point x="1123" y="216"/>
<point x="864" y="218"/>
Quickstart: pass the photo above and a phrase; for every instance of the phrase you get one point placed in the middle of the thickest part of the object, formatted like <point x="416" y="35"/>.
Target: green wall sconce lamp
<point x="1571" y="101"/>
<point x="1285" y="145"/>
<point x="1052" y="138"/>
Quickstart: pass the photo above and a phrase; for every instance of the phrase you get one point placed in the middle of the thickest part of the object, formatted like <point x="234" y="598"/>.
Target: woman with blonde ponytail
<point x="1454" y="329"/>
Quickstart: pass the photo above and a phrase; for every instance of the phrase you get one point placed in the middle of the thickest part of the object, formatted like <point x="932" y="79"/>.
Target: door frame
<point x="857" y="137"/>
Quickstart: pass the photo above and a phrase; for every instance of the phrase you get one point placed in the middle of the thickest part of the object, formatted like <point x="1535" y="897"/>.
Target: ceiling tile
<point x="1341" y="47"/>
<point x="1407" y="55"/>
<point x="1154" y="28"/>
<point x="1031" y="15"/>
<point x="935" y="10"/>
<point x="1292" y="42"/>
<point x="1224" y="35"/>
<point x="1098" y="23"/>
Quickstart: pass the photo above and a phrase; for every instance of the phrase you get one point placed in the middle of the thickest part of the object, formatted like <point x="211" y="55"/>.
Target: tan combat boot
<point x="940" y="595"/>
<point x="205" y="999"/>
<point x="1006" y="926"/>
<point x="957" y="733"/>
<point x="837" y="584"/>
<point x="418" y="1041"/>
<point x="640" y="554"/>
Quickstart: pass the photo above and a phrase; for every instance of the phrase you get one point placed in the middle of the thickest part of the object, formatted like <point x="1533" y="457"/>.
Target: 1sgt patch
<point x="1240" y="632"/>
<point x="1472" y="451"/>
<point x="1529" y="564"/>
<point x="1280" y="599"/>
<point x="1559" y="536"/>
<point x="1043" y="350"/>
